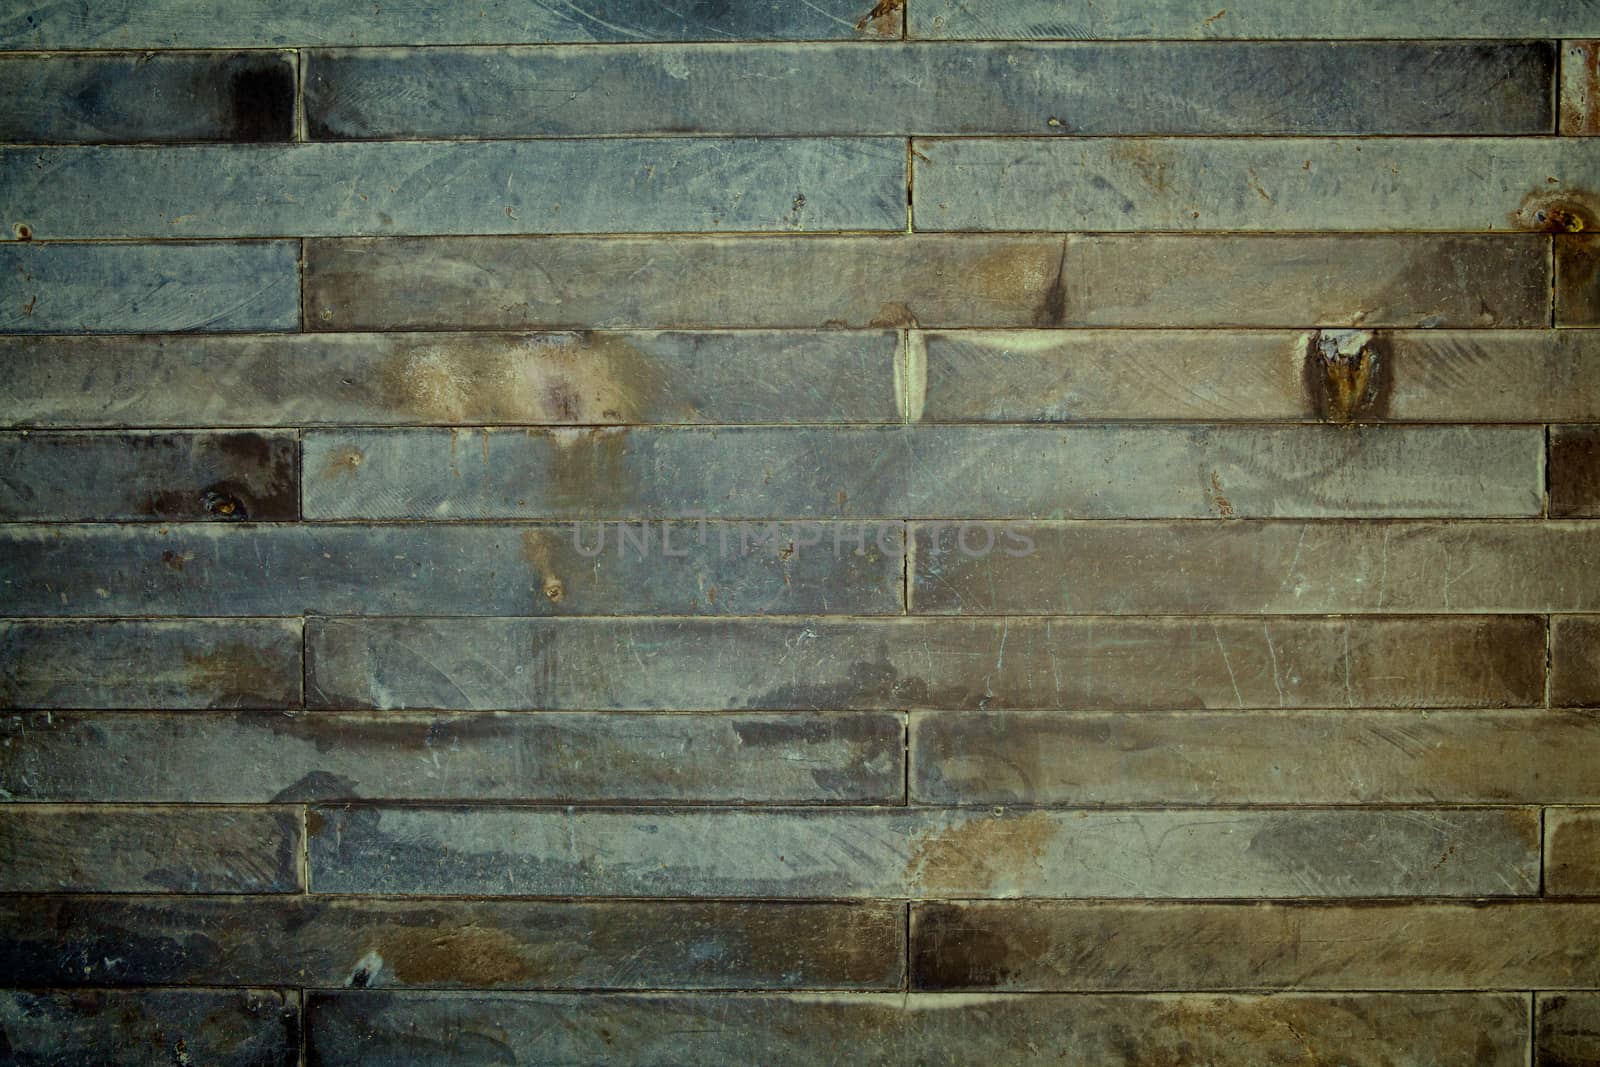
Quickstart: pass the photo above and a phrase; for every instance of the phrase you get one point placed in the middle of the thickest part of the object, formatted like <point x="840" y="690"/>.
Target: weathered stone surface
<point x="1093" y="947"/>
<point x="571" y="569"/>
<point x="1459" y="661"/>
<point x="1575" y="469"/>
<point x="1187" y="19"/>
<point x="1572" y="852"/>
<point x="1580" y="88"/>
<point x="1253" y="757"/>
<point x="137" y="476"/>
<point x="173" y="850"/>
<point x="44" y="24"/>
<point x="453" y="379"/>
<point x="1363" y="1030"/>
<point x="1578" y="279"/>
<point x="253" y="757"/>
<point x="1099" y="472"/>
<point x="1574" y="660"/>
<point x="311" y="941"/>
<point x="930" y="280"/>
<point x="135" y="1028"/>
<point x="1251" y="375"/>
<point x="1566" y="1030"/>
<point x="894" y="90"/>
<point x="571" y="186"/>
<point x="110" y="98"/>
<point x="126" y="663"/>
<point x="1353" y="184"/>
<point x="885" y="852"/>
<point x="170" y="286"/>
<point x="1267" y="568"/>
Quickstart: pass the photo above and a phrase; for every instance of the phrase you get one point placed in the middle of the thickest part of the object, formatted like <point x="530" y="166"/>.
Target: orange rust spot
<point x="1218" y="500"/>
<point x="1568" y="210"/>
<point x="884" y="19"/>
<point x="977" y="852"/>
<point x="344" y="461"/>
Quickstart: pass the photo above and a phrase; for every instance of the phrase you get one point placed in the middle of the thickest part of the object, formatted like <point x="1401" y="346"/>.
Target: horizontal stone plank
<point x="450" y="379"/>
<point x="895" y="90"/>
<point x="1580" y="89"/>
<point x="1108" y="664"/>
<point x="1566" y="1029"/>
<point x="1098" y="947"/>
<point x="1245" y="184"/>
<point x="254" y="757"/>
<point x="1575" y="661"/>
<point x="349" y="1029"/>
<point x="1253" y="757"/>
<point x="110" y="98"/>
<point x="317" y="942"/>
<point x="173" y="850"/>
<point x="158" y="477"/>
<point x="134" y="1028"/>
<point x="572" y="569"/>
<point x="169" y="286"/>
<point x="1189" y="20"/>
<point x="1269" y="568"/>
<point x="151" y="24"/>
<point x="126" y="663"/>
<point x="1250" y="280"/>
<point x="1098" y="472"/>
<point x="1574" y="467"/>
<point x="1577" y="282"/>
<point x="888" y="852"/>
<point x="663" y="185"/>
<point x="1341" y="376"/>
<point x="1572" y="852"/>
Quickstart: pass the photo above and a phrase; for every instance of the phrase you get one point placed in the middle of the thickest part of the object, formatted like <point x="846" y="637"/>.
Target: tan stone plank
<point x="1574" y="661"/>
<point x="1577" y="279"/>
<point x="1572" y="852"/>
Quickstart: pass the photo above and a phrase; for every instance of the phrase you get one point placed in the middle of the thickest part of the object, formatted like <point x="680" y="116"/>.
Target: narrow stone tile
<point x="136" y="1027"/>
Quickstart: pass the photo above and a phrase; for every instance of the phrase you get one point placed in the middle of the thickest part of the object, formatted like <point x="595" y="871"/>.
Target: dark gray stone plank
<point x="1099" y="472"/>
<point x="1580" y="88"/>
<point x="450" y="379"/>
<point x="1456" y="661"/>
<point x="232" y="570"/>
<point x="1253" y="375"/>
<point x="128" y="663"/>
<point x="605" y="757"/>
<point x="662" y="185"/>
<point x="155" y="477"/>
<point x="1188" y="280"/>
<point x="1190" y="19"/>
<point x="142" y="24"/>
<point x="1245" y="184"/>
<point x="311" y="941"/>
<point x="1254" y="757"/>
<point x="110" y="98"/>
<point x="135" y="1028"/>
<point x="1282" y="88"/>
<point x="145" y="850"/>
<point x="1566" y="1029"/>
<point x="349" y="1029"/>
<point x="171" y="286"/>
<point x="1266" y="568"/>
<point x="1575" y="661"/>
<point x="1572" y="852"/>
<point x="888" y="852"/>
<point x="1578" y="278"/>
<point x="1103" y="947"/>
<point x="1574" y="468"/>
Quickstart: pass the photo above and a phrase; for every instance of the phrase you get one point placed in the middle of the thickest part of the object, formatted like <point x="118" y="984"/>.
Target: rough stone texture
<point x="1575" y="471"/>
<point x="1566" y="1029"/>
<point x="134" y="1028"/>
<point x="1580" y="88"/>
<point x="1575" y="661"/>
<point x="1578" y="279"/>
<point x="1572" y="852"/>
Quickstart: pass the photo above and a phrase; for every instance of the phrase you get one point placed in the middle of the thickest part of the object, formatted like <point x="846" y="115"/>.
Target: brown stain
<point x="536" y="552"/>
<point x="175" y="561"/>
<point x="1580" y="89"/>
<point x="977" y="853"/>
<point x="343" y="462"/>
<point x="587" y="467"/>
<point x="883" y="20"/>
<point x="894" y="315"/>
<point x="1574" y="472"/>
<point x="1052" y="309"/>
<point x="1566" y="210"/>
<point x="234" y="673"/>
<point x="1149" y="161"/>
<point x="23" y="231"/>
<point x="316" y="822"/>
<point x="953" y="948"/>
<point x="1347" y="375"/>
<point x="468" y="955"/>
<point x="1219" y="500"/>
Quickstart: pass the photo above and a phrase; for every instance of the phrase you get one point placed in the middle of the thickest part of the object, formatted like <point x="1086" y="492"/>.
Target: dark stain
<point x="260" y="96"/>
<point x="1575" y="472"/>
<point x="883" y="20"/>
<point x="243" y="476"/>
<point x="174" y="560"/>
<point x="1569" y="210"/>
<point x="1578" y="280"/>
<point x="815" y="730"/>
<point x="951" y="949"/>
<point x="223" y="501"/>
<point x="1347" y="375"/>
<point x="317" y="785"/>
<point x="236" y="674"/>
<point x="23" y="231"/>
<point x="894" y="315"/>
<point x="1052" y="309"/>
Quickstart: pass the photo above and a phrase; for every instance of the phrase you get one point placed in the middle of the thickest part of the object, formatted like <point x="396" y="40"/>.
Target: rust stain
<point x="1347" y="374"/>
<point x="1214" y="18"/>
<point x="1150" y="162"/>
<point x="1580" y="89"/>
<point x="977" y="853"/>
<point x="536" y="552"/>
<point x="315" y="822"/>
<point x="23" y="231"/>
<point x="586" y="467"/>
<point x="884" y="19"/>
<point x="343" y="461"/>
<point x="1218" y="500"/>
<point x="1568" y="210"/>
<point x="894" y="315"/>
<point x="455" y="955"/>
<point x="175" y="560"/>
<point x="234" y="670"/>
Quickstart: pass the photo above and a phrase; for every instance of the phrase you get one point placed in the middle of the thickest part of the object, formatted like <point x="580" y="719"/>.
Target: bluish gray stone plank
<point x="127" y="663"/>
<point x="148" y="850"/>
<point x="886" y="852"/>
<point x="1254" y="757"/>
<point x="1244" y="184"/>
<point x="568" y="569"/>
<point x="893" y="90"/>
<point x="1454" y="661"/>
<point x="311" y="941"/>
<point x="1257" y="568"/>
<point x="45" y="24"/>
<point x="661" y="185"/>
<point x="111" y="98"/>
<point x="1089" y="947"/>
<point x="449" y="379"/>
<point x="1254" y="375"/>
<point x="97" y="477"/>
<point x="135" y="1028"/>
<point x="595" y="757"/>
<point x="1099" y="472"/>
<point x="169" y="287"/>
<point x="933" y="280"/>
<point x="1198" y="19"/>
<point x="351" y="1029"/>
